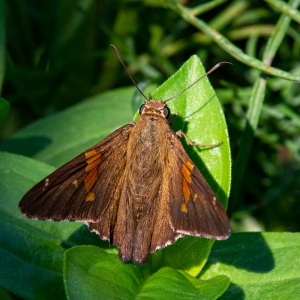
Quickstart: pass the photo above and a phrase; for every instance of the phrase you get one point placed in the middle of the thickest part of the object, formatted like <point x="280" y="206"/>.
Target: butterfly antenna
<point x="129" y="75"/>
<point x="210" y="71"/>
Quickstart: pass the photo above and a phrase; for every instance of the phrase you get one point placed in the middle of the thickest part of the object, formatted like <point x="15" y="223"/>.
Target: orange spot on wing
<point x="184" y="208"/>
<point x="92" y="163"/>
<point x="186" y="191"/>
<point x="186" y="173"/>
<point x="187" y="169"/>
<point x="93" y="158"/>
<point x="190" y="165"/>
<point x="90" y="180"/>
<point x="90" y="196"/>
<point x="90" y="153"/>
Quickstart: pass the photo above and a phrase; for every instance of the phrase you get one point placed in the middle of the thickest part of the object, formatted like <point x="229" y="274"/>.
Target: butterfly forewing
<point x="82" y="189"/>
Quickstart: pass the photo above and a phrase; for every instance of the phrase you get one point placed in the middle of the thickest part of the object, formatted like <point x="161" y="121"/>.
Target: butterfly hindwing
<point x="187" y="205"/>
<point x="81" y="190"/>
<point x="195" y="209"/>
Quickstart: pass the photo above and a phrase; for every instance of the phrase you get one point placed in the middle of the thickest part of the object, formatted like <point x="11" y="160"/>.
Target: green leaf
<point x="202" y="119"/>
<point x="168" y="283"/>
<point x="91" y="273"/>
<point x="260" y="265"/>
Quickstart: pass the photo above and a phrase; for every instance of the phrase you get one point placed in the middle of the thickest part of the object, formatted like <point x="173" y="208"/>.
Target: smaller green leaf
<point x="91" y="273"/>
<point x="168" y="283"/>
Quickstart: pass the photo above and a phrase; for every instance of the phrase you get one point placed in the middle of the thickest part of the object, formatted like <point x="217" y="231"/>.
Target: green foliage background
<point x="54" y="54"/>
<point x="58" y="54"/>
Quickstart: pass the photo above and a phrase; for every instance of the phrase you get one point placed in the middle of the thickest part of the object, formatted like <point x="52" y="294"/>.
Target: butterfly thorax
<point x="146" y="148"/>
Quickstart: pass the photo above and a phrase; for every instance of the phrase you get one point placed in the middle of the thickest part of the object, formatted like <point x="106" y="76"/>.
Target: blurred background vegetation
<point x="57" y="53"/>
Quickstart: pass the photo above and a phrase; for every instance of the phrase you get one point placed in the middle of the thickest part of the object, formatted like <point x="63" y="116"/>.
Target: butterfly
<point x="138" y="189"/>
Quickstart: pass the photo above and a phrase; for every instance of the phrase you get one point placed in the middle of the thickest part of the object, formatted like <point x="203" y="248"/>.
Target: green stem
<point x="227" y="46"/>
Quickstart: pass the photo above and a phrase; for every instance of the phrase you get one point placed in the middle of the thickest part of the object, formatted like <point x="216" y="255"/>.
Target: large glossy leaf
<point x="202" y="119"/>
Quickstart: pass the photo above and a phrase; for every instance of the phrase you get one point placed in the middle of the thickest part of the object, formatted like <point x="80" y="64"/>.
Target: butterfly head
<point x="155" y="107"/>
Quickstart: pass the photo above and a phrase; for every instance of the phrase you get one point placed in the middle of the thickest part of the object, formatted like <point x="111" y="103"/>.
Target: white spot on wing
<point x="214" y="200"/>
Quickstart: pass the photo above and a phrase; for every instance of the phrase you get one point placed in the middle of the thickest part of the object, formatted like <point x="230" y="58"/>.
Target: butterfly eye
<point x="166" y="112"/>
<point x="141" y="108"/>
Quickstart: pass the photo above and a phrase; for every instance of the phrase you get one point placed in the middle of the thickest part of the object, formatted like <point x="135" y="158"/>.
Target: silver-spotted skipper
<point x="137" y="188"/>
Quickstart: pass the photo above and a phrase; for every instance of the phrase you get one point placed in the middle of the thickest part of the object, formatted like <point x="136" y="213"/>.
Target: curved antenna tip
<point x="218" y="65"/>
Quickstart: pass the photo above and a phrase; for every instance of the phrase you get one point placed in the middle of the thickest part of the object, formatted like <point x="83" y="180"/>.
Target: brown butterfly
<point x="137" y="188"/>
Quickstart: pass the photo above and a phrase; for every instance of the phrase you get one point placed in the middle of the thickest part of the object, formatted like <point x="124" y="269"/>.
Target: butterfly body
<point x="137" y="188"/>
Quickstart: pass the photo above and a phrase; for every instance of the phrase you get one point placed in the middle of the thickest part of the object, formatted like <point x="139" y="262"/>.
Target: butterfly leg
<point x="180" y="133"/>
